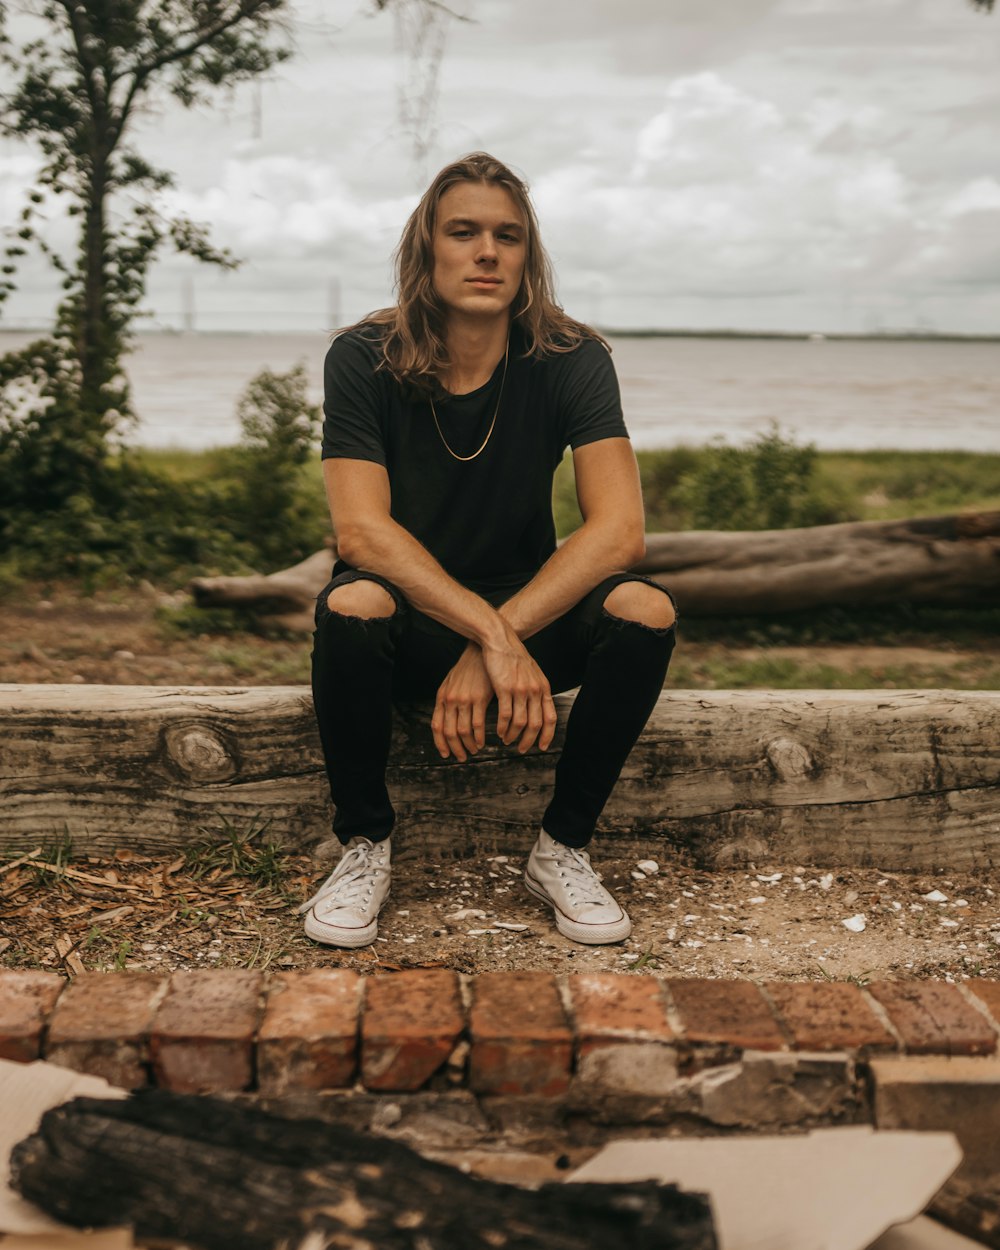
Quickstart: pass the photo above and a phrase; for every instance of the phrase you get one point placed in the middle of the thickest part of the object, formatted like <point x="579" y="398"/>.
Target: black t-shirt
<point x="487" y="521"/>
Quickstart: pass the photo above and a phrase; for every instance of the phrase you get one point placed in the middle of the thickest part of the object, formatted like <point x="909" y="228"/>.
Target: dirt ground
<point x="772" y="923"/>
<point x="234" y="904"/>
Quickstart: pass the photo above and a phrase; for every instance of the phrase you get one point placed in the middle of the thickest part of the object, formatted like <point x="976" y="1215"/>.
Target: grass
<point x="242" y="852"/>
<point x="728" y="672"/>
<point x="845" y="486"/>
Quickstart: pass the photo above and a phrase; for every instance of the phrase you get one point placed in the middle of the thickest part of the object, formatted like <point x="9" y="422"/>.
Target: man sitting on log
<point x="445" y="419"/>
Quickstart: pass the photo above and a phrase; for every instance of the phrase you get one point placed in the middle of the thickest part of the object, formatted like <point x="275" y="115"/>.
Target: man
<point x="445" y="418"/>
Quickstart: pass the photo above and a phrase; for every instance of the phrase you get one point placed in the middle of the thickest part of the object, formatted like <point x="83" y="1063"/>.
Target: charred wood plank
<point x="228" y="1177"/>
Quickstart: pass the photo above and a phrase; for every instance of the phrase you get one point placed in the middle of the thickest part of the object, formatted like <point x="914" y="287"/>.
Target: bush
<point x="123" y="518"/>
<point x="769" y="484"/>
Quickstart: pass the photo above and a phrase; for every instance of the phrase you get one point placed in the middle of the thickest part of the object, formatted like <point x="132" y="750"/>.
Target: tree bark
<point x="947" y="560"/>
<point x="907" y="780"/>
<point x="227" y="1177"/>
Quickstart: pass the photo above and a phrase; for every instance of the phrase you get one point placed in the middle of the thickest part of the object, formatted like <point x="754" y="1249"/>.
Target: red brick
<point x="101" y="1025"/>
<point x="609" y="1009"/>
<point x="933" y="1018"/>
<point x="821" y="1015"/>
<point x="988" y="993"/>
<point x="410" y="1025"/>
<point x="520" y="1041"/>
<point x="308" y="1038"/>
<point x="733" y="1013"/>
<point x="203" y="1035"/>
<point x="26" y="999"/>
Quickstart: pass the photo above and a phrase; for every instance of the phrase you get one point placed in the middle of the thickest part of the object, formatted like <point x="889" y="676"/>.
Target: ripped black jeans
<point x="360" y="667"/>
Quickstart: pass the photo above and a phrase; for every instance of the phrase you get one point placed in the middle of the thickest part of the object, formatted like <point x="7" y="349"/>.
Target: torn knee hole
<point x="361" y="601"/>
<point x="638" y="603"/>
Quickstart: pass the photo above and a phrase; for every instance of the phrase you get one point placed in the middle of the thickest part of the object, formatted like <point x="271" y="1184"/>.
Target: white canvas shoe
<point x="344" y="910"/>
<point x="562" y="877"/>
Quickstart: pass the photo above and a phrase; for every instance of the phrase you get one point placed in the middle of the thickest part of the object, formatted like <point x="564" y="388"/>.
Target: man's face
<point x="479" y="249"/>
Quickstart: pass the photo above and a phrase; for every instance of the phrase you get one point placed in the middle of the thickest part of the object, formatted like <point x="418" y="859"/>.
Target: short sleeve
<point x="352" y="401"/>
<point x="587" y="395"/>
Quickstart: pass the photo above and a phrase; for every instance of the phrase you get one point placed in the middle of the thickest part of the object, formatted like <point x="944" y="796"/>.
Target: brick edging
<point x="500" y="1033"/>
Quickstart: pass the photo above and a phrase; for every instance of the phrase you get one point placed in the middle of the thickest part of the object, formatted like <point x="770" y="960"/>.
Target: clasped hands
<point x="525" y="710"/>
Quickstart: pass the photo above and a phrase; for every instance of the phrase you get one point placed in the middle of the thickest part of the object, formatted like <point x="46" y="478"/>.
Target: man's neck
<point x="476" y="345"/>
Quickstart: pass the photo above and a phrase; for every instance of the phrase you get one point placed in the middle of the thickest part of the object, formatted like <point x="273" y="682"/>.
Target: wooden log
<point x="228" y="1177"/>
<point x="946" y="560"/>
<point x="905" y="780"/>
<point x="286" y="598"/>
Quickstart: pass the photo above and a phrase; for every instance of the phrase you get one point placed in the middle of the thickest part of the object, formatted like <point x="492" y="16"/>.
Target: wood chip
<point x="76" y="875"/>
<point x="16" y="863"/>
<point x="75" y="964"/>
<point x="115" y="914"/>
<point x="64" y="945"/>
<point x="172" y="868"/>
<point x="162" y="924"/>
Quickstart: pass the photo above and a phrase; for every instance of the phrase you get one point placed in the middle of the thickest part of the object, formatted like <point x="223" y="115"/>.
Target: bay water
<point x="838" y="394"/>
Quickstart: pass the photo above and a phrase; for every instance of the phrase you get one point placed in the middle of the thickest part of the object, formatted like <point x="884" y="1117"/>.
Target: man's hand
<point x="525" y="708"/>
<point x="459" y="720"/>
<point x="524" y="699"/>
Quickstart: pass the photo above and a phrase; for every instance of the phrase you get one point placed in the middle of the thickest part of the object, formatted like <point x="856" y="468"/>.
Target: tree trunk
<point x="227" y="1177"/>
<point x="947" y="560"/>
<point x="908" y="780"/>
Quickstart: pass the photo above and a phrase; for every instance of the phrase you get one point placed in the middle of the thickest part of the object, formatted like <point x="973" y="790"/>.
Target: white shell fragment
<point x="770" y="880"/>
<point x="826" y="881"/>
<point x="856" y="924"/>
<point x="514" y="928"/>
<point x="648" y="866"/>
<point x="935" y="896"/>
<point x="467" y="913"/>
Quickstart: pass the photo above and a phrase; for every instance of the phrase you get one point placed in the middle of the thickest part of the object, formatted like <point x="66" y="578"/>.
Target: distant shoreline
<point x="817" y="336"/>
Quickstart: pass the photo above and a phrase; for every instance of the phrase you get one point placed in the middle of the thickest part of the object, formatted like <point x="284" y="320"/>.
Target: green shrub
<point x="129" y="518"/>
<point x="769" y="484"/>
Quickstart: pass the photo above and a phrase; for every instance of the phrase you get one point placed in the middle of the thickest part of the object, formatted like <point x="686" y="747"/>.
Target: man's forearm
<point x="393" y="553"/>
<point x="585" y="559"/>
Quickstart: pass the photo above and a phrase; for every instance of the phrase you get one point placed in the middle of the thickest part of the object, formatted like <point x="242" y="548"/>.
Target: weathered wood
<point x="225" y="1177"/>
<point x="286" y="598"/>
<point x="946" y="560"/>
<point x="900" y="779"/>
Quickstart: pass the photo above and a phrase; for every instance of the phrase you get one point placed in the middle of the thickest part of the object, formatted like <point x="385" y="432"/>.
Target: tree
<point x="77" y="89"/>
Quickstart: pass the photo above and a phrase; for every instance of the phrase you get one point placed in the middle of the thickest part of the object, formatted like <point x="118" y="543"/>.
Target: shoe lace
<point x="584" y="883"/>
<point x="349" y="883"/>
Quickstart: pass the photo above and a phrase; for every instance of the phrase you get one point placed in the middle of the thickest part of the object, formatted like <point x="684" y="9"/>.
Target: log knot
<point x="789" y="759"/>
<point x="200" y="753"/>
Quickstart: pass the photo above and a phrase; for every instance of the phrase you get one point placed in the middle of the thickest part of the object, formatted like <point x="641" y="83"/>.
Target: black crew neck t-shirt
<point x="487" y="521"/>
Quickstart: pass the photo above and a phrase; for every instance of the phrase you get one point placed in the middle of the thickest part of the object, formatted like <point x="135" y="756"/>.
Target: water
<point x="840" y="395"/>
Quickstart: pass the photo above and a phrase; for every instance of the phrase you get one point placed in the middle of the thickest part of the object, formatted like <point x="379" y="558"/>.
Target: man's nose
<point x="487" y="248"/>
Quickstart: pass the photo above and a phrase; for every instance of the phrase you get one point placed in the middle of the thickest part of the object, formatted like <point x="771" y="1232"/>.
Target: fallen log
<point x="947" y="560"/>
<point x="906" y="780"/>
<point x="285" y="599"/>
<point x="228" y="1177"/>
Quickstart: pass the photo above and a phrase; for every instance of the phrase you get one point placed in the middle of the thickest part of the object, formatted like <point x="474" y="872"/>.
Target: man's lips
<point x="484" y="281"/>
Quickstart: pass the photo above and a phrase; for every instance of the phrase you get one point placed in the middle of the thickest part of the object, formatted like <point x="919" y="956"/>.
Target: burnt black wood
<point x="228" y="1177"/>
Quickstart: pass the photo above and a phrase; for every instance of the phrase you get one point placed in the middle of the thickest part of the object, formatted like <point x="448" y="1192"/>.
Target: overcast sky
<point x="757" y="164"/>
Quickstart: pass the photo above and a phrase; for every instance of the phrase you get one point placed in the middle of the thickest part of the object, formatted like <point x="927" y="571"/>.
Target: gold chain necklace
<point x="489" y="432"/>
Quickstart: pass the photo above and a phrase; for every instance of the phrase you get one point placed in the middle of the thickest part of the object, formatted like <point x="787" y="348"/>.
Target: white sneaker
<point x="562" y="877"/>
<point x="344" y="910"/>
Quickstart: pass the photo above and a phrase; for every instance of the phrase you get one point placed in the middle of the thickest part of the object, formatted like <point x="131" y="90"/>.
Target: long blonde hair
<point x="413" y="342"/>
